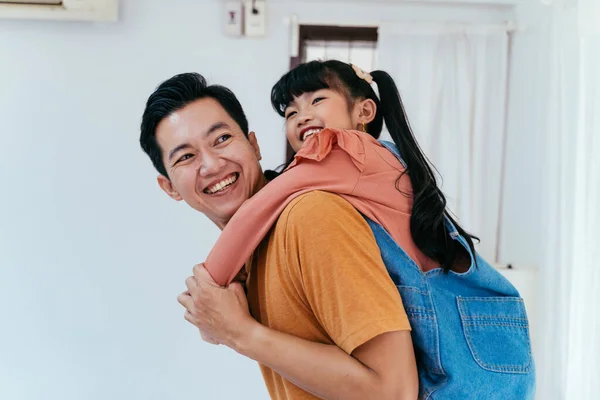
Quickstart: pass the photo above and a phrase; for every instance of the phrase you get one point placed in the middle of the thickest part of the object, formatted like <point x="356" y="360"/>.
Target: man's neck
<point x="262" y="182"/>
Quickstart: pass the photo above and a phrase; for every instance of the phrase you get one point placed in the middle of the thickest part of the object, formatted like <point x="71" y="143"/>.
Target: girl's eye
<point x="290" y="115"/>
<point x="223" y="138"/>
<point x="318" y="99"/>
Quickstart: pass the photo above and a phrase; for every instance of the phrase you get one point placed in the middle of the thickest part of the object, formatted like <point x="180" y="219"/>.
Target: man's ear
<point x="254" y="144"/>
<point x="166" y="185"/>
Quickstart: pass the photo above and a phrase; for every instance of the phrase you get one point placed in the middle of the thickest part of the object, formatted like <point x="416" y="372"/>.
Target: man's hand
<point x="221" y="314"/>
<point x="182" y="298"/>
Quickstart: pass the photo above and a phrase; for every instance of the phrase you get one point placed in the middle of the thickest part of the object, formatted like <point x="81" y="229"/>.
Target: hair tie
<point x="362" y="74"/>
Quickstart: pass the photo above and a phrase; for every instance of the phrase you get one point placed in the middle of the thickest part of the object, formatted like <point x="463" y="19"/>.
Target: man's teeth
<point x="217" y="187"/>
<point x="310" y="132"/>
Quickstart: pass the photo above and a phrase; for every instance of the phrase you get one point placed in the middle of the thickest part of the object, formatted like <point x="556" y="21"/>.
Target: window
<point x="361" y="53"/>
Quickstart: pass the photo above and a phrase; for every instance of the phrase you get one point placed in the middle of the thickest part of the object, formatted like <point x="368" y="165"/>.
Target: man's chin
<point x="223" y="219"/>
<point x="224" y="212"/>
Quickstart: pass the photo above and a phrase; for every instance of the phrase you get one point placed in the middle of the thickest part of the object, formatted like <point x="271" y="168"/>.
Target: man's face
<point x="211" y="165"/>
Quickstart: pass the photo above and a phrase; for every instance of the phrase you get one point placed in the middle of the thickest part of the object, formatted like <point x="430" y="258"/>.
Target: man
<point x="328" y="321"/>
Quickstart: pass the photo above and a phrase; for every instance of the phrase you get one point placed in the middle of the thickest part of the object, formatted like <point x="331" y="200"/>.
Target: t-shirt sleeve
<point x="332" y="251"/>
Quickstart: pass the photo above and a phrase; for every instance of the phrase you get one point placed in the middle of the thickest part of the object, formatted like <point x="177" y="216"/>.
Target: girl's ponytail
<point x="427" y="223"/>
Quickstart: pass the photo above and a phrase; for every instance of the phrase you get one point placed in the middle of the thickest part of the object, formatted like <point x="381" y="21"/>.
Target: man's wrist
<point x="246" y="343"/>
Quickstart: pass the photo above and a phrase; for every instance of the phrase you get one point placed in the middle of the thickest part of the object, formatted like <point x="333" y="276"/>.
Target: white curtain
<point x="453" y="79"/>
<point x="569" y="343"/>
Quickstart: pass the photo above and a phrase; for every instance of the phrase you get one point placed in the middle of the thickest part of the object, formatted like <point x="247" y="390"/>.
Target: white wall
<point x="92" y="254"/>
<point x="522" y="220"/>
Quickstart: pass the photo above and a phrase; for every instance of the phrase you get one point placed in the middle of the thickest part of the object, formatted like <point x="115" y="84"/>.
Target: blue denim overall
<point x="470" y="330"/>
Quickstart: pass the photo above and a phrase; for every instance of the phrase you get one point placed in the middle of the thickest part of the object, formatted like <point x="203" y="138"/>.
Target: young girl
<point x="469" y="324"/>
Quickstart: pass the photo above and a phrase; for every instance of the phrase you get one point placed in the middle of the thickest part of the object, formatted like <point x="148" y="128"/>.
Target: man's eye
<point x="290" y="115"/>
<point x="183" y="158"/>
<point x="223" y="138"/>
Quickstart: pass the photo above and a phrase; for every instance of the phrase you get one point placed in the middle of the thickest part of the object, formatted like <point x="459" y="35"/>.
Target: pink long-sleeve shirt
<point x="349" y="163"/>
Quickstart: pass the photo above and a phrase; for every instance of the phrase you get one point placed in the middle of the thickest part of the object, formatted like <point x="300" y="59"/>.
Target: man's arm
<point x="382" y="368"/>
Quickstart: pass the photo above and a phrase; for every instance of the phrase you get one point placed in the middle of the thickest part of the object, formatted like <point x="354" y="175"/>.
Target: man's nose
<point x="211" y="165"/>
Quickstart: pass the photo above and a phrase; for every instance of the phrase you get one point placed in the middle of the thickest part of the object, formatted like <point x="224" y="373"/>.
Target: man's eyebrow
<point x="177" y="149"/>
<point x="214" y="127"/>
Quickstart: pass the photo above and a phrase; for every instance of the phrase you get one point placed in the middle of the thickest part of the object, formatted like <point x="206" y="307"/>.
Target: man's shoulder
<point x="317" y="207"/>
<point x="320" y="216"/>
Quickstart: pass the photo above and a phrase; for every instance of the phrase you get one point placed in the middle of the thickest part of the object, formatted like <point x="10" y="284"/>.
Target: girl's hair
<point x="427" y="223"/>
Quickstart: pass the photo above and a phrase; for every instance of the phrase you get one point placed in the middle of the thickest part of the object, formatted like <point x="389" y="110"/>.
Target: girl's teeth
<point x="310" y="133"/>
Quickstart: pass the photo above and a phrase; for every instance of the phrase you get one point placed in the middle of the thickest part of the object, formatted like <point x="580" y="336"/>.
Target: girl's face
<point x="310" y="112"/>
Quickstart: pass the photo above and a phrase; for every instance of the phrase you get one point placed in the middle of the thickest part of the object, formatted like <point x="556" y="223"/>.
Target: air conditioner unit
<point x="67" y="10"/>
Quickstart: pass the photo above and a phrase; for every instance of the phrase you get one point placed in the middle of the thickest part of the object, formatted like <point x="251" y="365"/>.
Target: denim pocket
<point x="497" y="333"/>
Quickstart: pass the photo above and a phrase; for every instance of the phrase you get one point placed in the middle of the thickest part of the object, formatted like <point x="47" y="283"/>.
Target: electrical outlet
<point x="255" y="18"/>
<point x="233" y="19"/>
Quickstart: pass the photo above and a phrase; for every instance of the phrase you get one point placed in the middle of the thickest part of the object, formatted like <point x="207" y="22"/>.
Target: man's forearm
<point x="324" y="370"/>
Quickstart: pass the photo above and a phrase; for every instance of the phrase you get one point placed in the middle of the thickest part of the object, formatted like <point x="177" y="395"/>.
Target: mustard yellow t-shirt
<point x="319" y="276"/>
